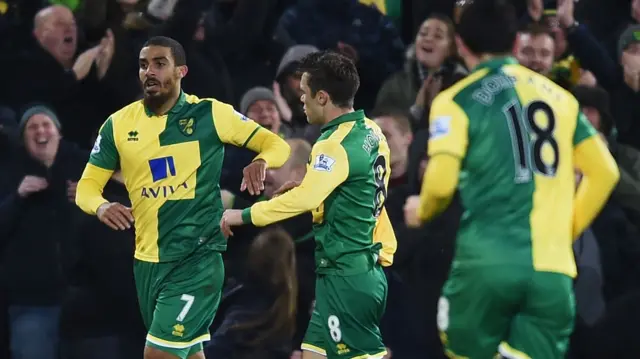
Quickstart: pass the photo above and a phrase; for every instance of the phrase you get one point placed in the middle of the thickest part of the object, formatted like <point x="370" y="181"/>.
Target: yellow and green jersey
<point x="515" y="133"/>
<point x="171" y="165"/>
<point x="345" y="188"/>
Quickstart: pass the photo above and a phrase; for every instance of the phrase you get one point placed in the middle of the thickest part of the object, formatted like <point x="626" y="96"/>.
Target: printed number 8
<point x="379" y="174"/>
<point x="334" y="328"/>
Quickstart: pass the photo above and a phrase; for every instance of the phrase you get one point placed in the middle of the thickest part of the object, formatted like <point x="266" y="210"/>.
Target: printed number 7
<point x="187" y="306"/>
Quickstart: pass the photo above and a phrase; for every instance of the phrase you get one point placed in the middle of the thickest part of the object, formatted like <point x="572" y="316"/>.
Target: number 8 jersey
<point x="515" y="132"/>
<point x="345" y="188"/>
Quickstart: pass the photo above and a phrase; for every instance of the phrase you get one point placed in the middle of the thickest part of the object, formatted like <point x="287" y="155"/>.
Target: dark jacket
<point x="35" y="231"/>
<point x="101" y="299"/>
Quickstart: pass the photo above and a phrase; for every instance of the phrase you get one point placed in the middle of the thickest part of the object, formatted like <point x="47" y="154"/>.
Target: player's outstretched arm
<point x="600" y="175"/>
<point x="234" y="128"/>
<point x="329" y="168"/>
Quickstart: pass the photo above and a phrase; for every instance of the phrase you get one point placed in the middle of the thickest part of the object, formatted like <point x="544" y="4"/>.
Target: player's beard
<point x="156" y="101"/>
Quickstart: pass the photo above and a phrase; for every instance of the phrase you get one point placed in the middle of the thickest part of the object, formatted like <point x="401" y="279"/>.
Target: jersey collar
<point x="351" y="116"/>
<point x="175" y="109"/>
<point x="496" y="63"/>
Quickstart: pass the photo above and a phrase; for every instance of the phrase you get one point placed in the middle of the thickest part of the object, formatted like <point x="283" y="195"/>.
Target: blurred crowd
<point x="66" y="283"/>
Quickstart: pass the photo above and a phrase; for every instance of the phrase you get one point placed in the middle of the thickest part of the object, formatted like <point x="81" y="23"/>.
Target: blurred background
<point x="66" y="284"/>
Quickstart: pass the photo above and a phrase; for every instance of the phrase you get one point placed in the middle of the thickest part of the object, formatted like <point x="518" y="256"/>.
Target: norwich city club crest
<point x="187" y="126"/>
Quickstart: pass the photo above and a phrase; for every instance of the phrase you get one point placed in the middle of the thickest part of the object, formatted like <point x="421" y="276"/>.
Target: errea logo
<point x="132" y="136"/>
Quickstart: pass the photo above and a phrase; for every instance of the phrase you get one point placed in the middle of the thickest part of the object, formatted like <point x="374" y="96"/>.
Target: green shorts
<point x="179" y="299"/>
<point x="515" y="311"/>
<point x="347" y="312"/>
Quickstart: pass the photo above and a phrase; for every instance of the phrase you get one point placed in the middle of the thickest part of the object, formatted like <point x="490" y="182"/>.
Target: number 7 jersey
<point x="514" y="131"/>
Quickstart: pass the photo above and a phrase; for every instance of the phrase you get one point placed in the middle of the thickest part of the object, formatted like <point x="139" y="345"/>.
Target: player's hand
<point x="71" y="191"/>
<point x="115" y="215"/>
<point x="411" y="212"/>
<point x="31" y="184"/>
<point x="287" y="186"/>
<point x="230" y="218"/>
<point x="253" y="177"/>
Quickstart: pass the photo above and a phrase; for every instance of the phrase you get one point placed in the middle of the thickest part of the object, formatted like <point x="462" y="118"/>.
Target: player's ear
<point x="182" y="71"/>
<point x="322" y="97"/>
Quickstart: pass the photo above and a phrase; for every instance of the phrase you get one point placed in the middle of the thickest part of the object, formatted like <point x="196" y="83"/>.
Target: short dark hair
<point x="334" y="73"/>
<point x="489" y="27"/>
<point x="538" y="29"/>
<point x="177" y="51"/>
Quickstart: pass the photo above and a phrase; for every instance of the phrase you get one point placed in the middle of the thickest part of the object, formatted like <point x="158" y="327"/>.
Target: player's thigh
<point x="544" y="325"/>
<point x="349" y="312"/>
<point x="476" y="307"/>
<point x="314" y="338"/>
<point x="147" y="280"/>
<point x="186" y="305"/>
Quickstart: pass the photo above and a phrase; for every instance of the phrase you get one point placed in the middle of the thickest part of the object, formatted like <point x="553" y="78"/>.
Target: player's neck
<point x="473" y="61"/>
<point x="336" y="112"/>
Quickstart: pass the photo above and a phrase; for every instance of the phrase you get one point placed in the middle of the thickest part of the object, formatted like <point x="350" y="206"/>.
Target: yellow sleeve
<point x="236" y="129"/>
<point x="383" y="233"/>
<point x="90" y="187"/>
<point x="600" y="175"/>
<point x="438" y="185"/>
<point x="329" y="167"/>
<point x="448" y="128"/>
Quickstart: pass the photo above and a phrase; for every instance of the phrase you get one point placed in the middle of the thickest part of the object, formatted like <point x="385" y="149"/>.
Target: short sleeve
<point x="104" y="153"/>
<point x="584" y="129"/>
<point x="448" y="128"/>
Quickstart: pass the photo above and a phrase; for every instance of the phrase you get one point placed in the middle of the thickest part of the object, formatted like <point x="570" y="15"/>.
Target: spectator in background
<point x="100" y="307"/>
<point x="82" y="89"/>
<point x="396" y="128"/>
<point x="429" y="65"/>
<point x="621" y="80"/>
<point x="258" y="104"/>
<point x="32" y="261"/>
<point x="286" y="89"/>
<point x="299" y="228"/>
<point x="536" y="49"/>
<point x="356" y="30"/>
<point x="594" y="103"/>
<point x="256" y="318"/>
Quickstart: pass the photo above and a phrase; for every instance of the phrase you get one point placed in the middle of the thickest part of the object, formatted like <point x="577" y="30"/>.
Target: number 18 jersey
<point x="514" y="131"/>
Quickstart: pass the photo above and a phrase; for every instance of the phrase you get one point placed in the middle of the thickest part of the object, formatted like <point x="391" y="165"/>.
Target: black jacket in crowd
<point x="34" y="231"/>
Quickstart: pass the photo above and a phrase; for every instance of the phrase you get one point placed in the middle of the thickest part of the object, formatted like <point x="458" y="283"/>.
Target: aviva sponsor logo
<point x="161" y="191"/>
<point x="162" y="168"/>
